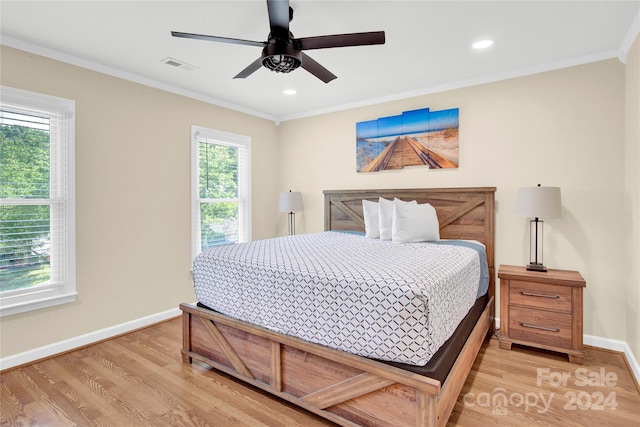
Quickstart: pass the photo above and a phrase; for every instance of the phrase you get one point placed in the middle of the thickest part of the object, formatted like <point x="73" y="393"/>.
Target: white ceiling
<point x="428" y="45"/>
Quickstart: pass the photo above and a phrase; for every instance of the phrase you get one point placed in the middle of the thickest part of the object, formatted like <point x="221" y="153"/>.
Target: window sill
<point x="36" y="304"/>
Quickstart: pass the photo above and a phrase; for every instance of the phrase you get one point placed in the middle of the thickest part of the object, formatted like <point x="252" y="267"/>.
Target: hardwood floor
<point x="139" y="379"/>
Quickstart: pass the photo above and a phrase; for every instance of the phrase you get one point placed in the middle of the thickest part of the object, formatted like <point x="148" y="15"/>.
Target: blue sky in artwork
<point x="443" y="119"/>
<point x="366" y="130"/>
<point x="415" y="121"/>
<point x="389" y="126"/>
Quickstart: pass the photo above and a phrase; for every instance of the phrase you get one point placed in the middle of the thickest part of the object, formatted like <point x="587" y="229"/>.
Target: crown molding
<point x="522" y="72"/>
<point x="632" y="35"/>
<point x="115" y="72"/>
<point x="91" y="65"/>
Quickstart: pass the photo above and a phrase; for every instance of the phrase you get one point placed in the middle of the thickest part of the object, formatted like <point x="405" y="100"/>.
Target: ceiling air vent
<point x="178" y="64"/>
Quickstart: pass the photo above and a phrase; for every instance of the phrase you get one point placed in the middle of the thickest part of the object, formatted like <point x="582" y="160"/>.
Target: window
<point x="220" y="188"/>
<point x="37" y="201"/>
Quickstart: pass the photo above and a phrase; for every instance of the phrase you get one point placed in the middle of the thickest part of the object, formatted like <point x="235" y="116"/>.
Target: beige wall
<point x="632" y="196"/>
<point x="132" y="196"/>
<point x="562" y="128"/>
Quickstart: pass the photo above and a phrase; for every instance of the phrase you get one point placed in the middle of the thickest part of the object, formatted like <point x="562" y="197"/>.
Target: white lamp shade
<point x="539" y="202"/>
<point x="291" y="201"/>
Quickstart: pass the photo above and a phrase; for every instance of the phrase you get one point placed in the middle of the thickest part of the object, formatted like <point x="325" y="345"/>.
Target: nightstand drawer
<point x="543" y="327"/>
<point x="540" y="295"/>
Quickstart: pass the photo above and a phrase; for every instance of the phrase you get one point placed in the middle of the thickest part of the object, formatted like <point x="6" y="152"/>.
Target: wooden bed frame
<point x="344" y="388"/>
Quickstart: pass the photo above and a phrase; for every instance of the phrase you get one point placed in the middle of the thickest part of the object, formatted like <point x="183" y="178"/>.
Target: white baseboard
<point x="102" y="334"/>
<point x="609" y="344"/>
<point x="86" y="339"/>
<point x="615" y="345"/>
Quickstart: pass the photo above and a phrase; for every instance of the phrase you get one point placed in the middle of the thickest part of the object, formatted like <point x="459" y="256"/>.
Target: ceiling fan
<point x="283" y="53"/>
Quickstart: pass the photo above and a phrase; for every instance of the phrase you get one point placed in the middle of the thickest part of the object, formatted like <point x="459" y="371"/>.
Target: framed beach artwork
<point x="413" y="138"/>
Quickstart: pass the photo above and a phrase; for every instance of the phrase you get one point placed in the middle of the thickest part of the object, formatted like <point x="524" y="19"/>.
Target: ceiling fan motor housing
<point x="281" y="57"/>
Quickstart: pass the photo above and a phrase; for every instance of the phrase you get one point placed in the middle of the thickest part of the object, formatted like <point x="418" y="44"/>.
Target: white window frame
<point x="244" y="185"/>
<point x="61" y="288"/>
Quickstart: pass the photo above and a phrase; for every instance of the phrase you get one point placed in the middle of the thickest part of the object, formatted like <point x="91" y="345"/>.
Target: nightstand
<point x="541" y="309"/>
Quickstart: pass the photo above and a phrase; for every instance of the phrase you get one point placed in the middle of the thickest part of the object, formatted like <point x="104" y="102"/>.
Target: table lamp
<point x="291" y="202"/>
<point x="538" y="202"/>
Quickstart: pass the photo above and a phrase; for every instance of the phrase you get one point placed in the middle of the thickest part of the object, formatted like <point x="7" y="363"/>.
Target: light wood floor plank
<point x="139" y="379"/>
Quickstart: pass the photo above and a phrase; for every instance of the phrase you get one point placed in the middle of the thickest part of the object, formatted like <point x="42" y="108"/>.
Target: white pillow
<point x="385" y="212"/>
<point x="414" y="223"/>
<point x="371" y="219"/>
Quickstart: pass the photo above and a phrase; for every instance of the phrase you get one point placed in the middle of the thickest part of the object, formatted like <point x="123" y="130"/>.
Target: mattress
<point x="378" y="299"/>
<point x="440" y="364"/>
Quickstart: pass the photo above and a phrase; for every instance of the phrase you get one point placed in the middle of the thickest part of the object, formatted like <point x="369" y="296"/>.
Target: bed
<point x="346" y="388"/>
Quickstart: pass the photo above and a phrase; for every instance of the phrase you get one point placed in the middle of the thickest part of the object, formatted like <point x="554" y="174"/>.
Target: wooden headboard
<point x="463" y="213"/>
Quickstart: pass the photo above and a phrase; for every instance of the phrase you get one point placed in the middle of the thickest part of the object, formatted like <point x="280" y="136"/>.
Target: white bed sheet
<point x="378" y="299"/>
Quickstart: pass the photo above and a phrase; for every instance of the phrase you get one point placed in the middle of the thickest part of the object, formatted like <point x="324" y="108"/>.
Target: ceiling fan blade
<point x="279" y="18"/>
<point x="341" y="40"/>
<point x="217" y="39"/>
<point x="316" y="69"/>
<point x="253" y="67"/>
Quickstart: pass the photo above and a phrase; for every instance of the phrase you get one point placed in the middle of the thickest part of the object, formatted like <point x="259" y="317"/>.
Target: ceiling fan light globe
<point x="281" y="58"/>
<point x="281" y="63"/>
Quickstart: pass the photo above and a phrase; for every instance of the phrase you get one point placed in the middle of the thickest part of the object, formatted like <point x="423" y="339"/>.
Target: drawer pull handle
<point x="526" y="325"/>
<point x="529" y="294"/>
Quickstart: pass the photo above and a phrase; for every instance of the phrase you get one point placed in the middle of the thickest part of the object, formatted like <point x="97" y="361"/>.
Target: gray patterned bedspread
<point x="378" y="299"/>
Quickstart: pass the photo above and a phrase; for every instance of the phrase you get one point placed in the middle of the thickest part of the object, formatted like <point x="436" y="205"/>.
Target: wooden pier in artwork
<point x="406" y="151"/>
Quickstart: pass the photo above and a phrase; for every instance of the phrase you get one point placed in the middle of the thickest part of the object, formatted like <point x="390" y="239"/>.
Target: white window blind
<point x="221" y="189"/>
<point x="37" y="201"/>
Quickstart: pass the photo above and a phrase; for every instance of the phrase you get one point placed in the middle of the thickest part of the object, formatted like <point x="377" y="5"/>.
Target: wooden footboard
<point x="347" y="389"/>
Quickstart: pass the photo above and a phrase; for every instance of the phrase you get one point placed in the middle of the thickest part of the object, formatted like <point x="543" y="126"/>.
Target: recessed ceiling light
<point x="482" y="44"/>
<point x="289" y="91"/>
